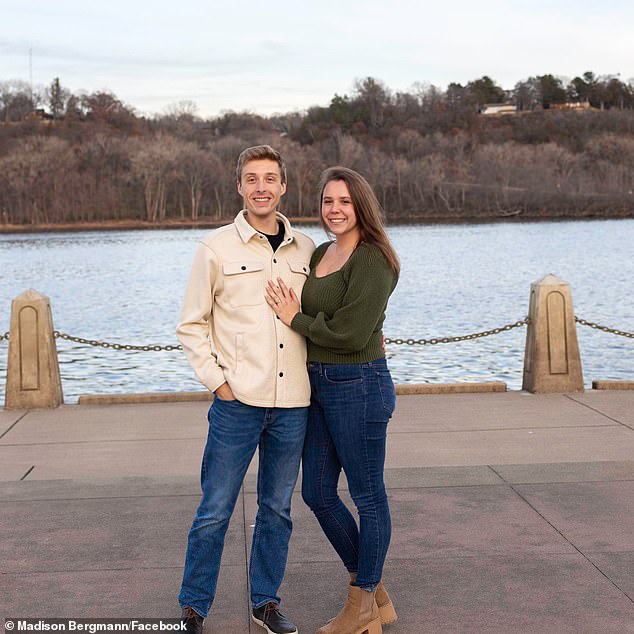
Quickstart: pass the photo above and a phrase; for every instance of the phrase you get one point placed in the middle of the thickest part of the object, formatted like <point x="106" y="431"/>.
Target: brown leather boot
<point x="360" y="615"/>
<point x="386" y="607"/>
<point x="383" y="601"/>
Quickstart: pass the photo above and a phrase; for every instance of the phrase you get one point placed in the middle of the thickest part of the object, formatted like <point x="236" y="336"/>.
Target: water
<point x="126" y="287"/>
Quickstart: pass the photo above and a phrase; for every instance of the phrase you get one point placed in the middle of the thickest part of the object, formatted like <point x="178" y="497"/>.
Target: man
<point x="256" y="367"/>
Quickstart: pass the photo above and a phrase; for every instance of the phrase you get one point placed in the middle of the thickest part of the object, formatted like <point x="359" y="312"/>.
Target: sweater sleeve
<point x="196" y="315"/>
<point x="370" y="282"/>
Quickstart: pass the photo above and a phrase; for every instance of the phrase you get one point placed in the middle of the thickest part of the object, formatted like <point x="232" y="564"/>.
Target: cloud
<point x="246" y="54"/>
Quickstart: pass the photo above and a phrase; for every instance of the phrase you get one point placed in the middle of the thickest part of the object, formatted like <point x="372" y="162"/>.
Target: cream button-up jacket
<point x="229" y="332"/>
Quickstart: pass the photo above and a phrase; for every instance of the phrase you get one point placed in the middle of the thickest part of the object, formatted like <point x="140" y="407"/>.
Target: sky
<point x="283" y="56"/>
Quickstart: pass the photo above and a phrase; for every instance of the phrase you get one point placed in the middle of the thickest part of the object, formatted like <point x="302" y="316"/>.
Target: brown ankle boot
<point x="360" y="615"/>
<point x="386" y="607"/>
<point x="383" y="601"/>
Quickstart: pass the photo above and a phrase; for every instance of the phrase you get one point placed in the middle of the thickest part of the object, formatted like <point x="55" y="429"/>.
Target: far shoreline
<point x="210" y="223"/>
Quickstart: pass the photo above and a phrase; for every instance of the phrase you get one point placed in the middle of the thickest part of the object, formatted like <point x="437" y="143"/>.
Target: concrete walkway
<point x="512" y="512"/>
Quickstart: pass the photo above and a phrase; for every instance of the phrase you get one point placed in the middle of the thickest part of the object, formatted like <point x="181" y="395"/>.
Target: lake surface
<point x="126" y="287"/>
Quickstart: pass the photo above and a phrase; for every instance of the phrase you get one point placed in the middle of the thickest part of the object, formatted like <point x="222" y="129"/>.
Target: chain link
<point x="612" y="331"/>
<point x="4" y="337"/>
<point x="475" y="335"/>
<point x="113" y="346"/>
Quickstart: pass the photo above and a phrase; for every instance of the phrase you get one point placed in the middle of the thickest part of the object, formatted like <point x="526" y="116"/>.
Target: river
<point x="126" y="287"/>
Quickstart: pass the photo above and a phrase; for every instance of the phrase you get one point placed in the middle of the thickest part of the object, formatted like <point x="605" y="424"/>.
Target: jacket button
<point x="274" y="261"/>
<point x="281" y="345"/>
<point x="244" y="268"/>
<point x="281" y="373"/>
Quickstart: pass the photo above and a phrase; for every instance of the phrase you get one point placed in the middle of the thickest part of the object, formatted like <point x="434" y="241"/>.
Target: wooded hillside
<point x="566" y="150"/>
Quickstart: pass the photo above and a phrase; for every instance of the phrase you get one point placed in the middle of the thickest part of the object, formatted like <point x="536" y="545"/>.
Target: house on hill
<point x="498" y="108"/>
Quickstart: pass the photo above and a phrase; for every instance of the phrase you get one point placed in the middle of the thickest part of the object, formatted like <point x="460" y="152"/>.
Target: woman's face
<point x="337" y="210"/>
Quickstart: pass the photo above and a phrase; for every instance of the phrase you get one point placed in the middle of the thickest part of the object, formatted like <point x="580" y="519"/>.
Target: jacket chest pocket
<point x="299" y="271"/>
<point x="243" y="283"/>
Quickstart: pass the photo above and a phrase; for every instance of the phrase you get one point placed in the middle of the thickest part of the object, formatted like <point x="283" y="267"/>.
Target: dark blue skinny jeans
<point x="350" y="407"/>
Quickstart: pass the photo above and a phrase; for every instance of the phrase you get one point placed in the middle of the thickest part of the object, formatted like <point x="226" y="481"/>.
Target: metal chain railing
<point x="612" y="331"/>
<point x="475" y="335"/>
<point x="388" y="340"/>
<point x="113" y="346"/>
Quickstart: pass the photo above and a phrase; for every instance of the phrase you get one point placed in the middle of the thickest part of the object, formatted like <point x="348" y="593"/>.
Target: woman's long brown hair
<point x="367" y="209"/>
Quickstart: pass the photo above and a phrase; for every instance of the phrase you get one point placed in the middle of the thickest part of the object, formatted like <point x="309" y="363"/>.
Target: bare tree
<point x="57" y="97"/>
<point x="194" y="168"/>
<point x="17" y="100"/>
<point x="153" y="164"/>
<point x="38" y="174"/>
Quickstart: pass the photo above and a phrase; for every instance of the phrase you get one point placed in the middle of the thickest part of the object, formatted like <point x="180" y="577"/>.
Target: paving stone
<point x="618" y="567"/>
<point x="501" y="411"/>
<point x="515" y="446"/>
<point x="620" y="408"/>
<point x="594" y="516"/>
<point x="468" y="521"/>
<point x="104" y="533"/>
<point x="422" y="477"/>
<point x="91" y="488"/>
<point x="81" y="423"/>
<point x="566" y="472"/>
<point x="495" y="594"/>
<point x="123" y="593"/>
<point x="8" y="418"/>
<point x="14" y="470"/>
<point x="438" y="522"/>
<point x="105" y="459"/>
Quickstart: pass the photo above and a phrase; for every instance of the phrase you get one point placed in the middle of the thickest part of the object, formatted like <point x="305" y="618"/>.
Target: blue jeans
<point x="235" y="431"/>
<point x="350" y="408"/>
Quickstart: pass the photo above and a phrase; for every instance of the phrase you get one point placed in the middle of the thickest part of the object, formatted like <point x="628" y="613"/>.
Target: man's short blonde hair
<point x="260" y="153"/>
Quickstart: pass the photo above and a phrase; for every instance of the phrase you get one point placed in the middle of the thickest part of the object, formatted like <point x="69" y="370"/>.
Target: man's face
<point x="261" y="187"/>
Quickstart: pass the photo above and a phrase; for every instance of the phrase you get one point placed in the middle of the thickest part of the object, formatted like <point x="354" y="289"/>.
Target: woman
<point x="344" y="301"/>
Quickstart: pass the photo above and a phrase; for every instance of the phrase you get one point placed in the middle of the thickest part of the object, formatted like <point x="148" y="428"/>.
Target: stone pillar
<point x="551" y="359"/>
<point x="32" y="369"/>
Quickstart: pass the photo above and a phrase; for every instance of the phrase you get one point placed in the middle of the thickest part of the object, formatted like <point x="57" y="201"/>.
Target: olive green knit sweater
<point x="343" y="312"/>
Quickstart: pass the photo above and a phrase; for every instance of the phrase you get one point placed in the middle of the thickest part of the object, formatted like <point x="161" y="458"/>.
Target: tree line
<point x="429" y="153"/>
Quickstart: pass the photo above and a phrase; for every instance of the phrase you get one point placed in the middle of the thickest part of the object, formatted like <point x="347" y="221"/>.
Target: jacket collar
<point x="246" y="231"/>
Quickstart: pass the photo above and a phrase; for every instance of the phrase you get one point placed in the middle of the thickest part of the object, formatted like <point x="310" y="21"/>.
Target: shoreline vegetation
<point x="545" y="150"/>
<point x="210" y="223"/>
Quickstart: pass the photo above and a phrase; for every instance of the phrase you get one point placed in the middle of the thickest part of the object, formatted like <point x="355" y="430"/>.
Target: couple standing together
<point x="248" y="339"/>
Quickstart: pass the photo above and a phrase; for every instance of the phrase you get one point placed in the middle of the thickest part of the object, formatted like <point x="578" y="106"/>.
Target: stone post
<point x="32" y="368"/>
<point x="551" y="359"/>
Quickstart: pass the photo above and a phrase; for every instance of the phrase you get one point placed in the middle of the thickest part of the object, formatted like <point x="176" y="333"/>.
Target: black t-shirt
<point x="276" y="240"/>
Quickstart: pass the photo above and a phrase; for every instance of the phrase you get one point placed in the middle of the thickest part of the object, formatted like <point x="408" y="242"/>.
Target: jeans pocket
<point x="346" y="373"/>
<point x="376" y="430"/>
<point x="220" y="405"/>
<point x="388" y="393"/>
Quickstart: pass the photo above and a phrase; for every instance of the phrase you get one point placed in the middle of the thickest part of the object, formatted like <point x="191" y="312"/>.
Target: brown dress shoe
<point x="192" y="620"/>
